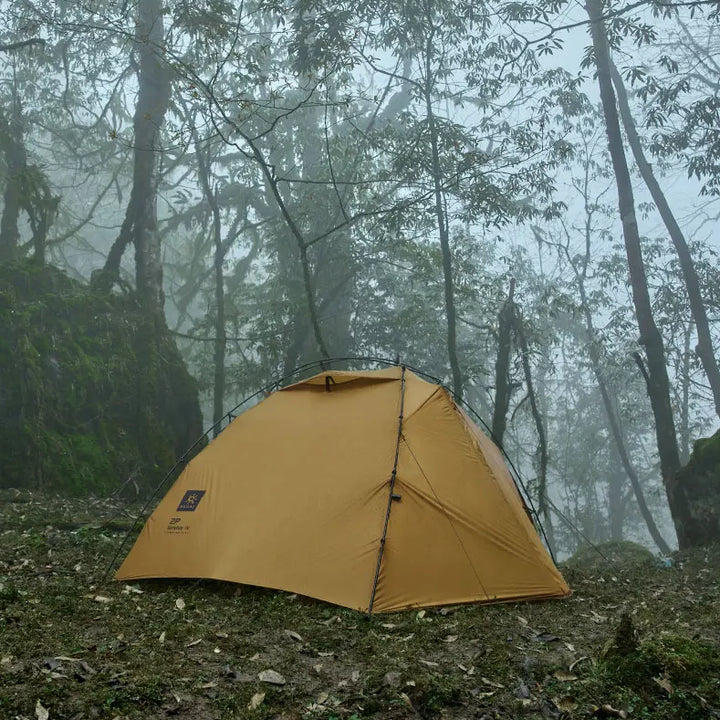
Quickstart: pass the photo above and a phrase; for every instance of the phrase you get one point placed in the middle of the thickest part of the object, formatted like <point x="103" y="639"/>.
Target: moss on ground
<point x="669" y="676"/>
<point x="70" y="400"/>
<point x="86" y="650"/>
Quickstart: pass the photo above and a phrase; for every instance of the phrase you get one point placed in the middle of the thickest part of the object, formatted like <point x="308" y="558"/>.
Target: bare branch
<point x="10" y="47"/>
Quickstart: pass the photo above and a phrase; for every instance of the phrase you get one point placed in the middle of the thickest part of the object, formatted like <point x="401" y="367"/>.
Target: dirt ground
<point x="637" y="639"/>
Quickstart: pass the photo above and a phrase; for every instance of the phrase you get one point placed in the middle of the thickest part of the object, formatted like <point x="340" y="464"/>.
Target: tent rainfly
<point x="371" y="490"/>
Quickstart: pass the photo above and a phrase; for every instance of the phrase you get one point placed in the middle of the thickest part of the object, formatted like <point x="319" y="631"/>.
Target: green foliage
<point x="69" y="403"/>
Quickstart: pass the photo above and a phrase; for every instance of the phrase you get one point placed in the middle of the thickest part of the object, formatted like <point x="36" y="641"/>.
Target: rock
<point x="272" y="677"/>
<point x="699" y="482"/>
<point x="71" y="407"/>
<point x="392" y="679"/>
<point x="610" y="557"/>
<point x="625" y="636"/>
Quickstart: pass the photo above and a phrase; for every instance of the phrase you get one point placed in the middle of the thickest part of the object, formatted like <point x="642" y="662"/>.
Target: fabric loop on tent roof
<point x="340" y="377"/>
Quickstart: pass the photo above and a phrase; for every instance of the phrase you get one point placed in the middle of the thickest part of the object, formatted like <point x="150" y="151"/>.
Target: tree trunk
<point x="220" y="333"/>
<point x="307" y="278"/>
<point x="305" y="336"/>
<point x="502" y="367"/>
<point x="152" y="104"/>
<point x="140" y="222"/>
<point x="111" y="270"/>
<point x="42" y="208"/>
<point x="13" y="147"/>
<point x="704" y="348"/>
<point x="658" y="385"/>
<point x="443" y="230"/>
<point x="332" y="260"/>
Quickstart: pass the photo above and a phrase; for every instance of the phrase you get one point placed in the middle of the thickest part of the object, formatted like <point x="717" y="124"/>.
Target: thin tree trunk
<point x="502" y="366"/>
<point x="307" y="279"/>
<point x="616" y="501"/>
<point x="543" y="504"/>
<point x="443" y="230"/>
<point x="220" y="339"/>
<point x="111" y="269"/>
<point x="292" y="349"/>
<point x="26" y="188"/>
<point x="613" y="424"/>
<point x="220" y="332"/>
<point x="300" y="323"/>
<point x="625" y="460"/>
<point x="704" y="348"/>
<point x="311" y="301"/>
<point x="685" y="389"/>
<point x="595" y="355"/>
<point x="42" y="209"/>
<point x="332" y="261"/>
<point x="658" y="385"/>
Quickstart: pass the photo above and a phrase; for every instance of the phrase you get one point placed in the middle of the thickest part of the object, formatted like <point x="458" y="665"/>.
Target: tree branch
<point x="9" y="47"/>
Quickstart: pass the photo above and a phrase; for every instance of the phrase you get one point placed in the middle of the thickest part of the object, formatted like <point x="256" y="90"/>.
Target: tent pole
<point x="391" y="493"/>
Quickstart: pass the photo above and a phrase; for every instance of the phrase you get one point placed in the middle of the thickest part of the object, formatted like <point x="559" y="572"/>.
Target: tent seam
<point x="393" y="477"/>
<point x="424" y="403"/>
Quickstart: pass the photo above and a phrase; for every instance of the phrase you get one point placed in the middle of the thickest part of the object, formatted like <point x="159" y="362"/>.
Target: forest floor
<point x="72" y="648"/>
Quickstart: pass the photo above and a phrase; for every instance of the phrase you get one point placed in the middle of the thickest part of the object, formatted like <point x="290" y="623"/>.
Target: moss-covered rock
<point x="611" y="556"/>
<point x="70" y="397"/>
<point x="699" y="482"/>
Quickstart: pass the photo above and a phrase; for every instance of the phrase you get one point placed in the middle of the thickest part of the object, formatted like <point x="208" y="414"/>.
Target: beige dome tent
<point x="371" y="490"/>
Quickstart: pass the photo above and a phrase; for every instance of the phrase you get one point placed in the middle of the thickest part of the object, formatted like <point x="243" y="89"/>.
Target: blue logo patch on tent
<point x="191" y="499"/>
